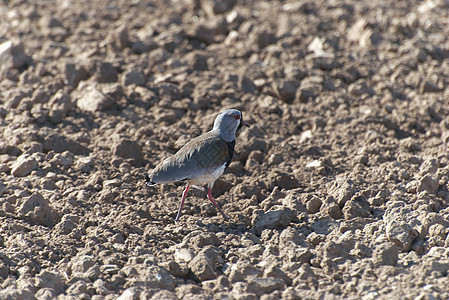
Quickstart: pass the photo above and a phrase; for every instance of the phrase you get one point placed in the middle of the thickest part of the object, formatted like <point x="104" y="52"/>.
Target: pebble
<point x="133" y="77"/>
<point x="50" y="279"/>
<point x="196" y="60"/>
<point x="202" y="32"/>
<point x="427" y="183"/>
<point x="386" y="254"/>
<point x="204" y="265"/>
<point x="105" y="72"/>
<point x="274" y="218"/>
<point x="342" y="190"/>
<point x="74" y="74"/>
<point x="261" y="286"/>
<point x="286" y="90"/>
<point x="37" y="209"/>
<point x="23" y="165"/>
<point x="128" y="149"/>
<point x="402" y="234"/>
<point x="60" y="104"/>
<point x="91" y="99"/>
<point x="12" y="55"/>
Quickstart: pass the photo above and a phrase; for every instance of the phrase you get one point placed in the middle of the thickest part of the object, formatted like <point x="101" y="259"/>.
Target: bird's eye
<point x="237" y="117"/>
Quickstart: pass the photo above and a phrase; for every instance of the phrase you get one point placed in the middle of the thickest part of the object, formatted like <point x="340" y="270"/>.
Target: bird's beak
<point x="243" y="123"/>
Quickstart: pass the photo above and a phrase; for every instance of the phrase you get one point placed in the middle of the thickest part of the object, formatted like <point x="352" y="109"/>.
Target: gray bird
<point x="203" y="159"/>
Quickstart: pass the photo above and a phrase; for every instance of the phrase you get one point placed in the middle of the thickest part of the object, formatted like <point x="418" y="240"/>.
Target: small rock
<point x="128" y="149"/>
<point x="74" y="74"/>
<point x="434" y="114"/>
<point x="109" y="269"/>
<point x="82" y="264"/>
<point x="154" y="277"/>
<point x="184" y="255"/>
<point x="275" y="218"/>
<point x="275" y="272"/>
<point x="67" y="224"/>
<point x="133" y="77"/>
<point x="342" y="190"/>
<point x="100" y="287"/>
<point x="60" y="104"/>
<point x="2" y="188"/>
<point x="176" y="269"/>
<point x="241" y="271"/>
<point x="130" y="294"/>
<point x="286" y="90"/>
<point x="121" y="38"/>
<point x="428" y="183"/>
<point x="202" y="32"/>
<point x="199" y="240"/>
<point x="204" y="265"/>
<point x="441" y="267"/>
<point x="46" y="294"/>
<point x="13" y="293"/>
<point x="50" y="279"/>
<point x="37" y="210"/>
<point x="315" y="238"/>
<point x="91" y="99"/>
<point x="140" y="47"/>
<point x="113" y="90"/>
<point x="261" y="286"/>
<point x="259" y="38"/>
<point x="216" y="285"/>
<point x="23" y="166"/>
<point x="386" y="254"/>
<point x="196" y="60"/>
<point x="77" y="288"/>
<point x="352" y="209"/>
<point x="402" y="234"/>
<point x="93" y="273"/>
<point x="275" y="159"/>
<point x="105" y="72"/>
<point x="246" y="85"/>
<point x="12" y="55"/>
<point x="304" y="95"/>
<point x="331" y="209"/>
<point x="314" y="204"/>
<point x="108" y="195"/>
<point x="283" y="180"/>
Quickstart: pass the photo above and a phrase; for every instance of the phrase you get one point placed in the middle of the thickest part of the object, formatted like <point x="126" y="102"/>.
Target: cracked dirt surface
<point x="338" y="190"/>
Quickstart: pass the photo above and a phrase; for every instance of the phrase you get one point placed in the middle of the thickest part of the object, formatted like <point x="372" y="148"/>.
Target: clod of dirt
<point x="276" y="217"/>
<point x="23" y="165"/>
<point x="386" y="254"/>
<point x="91" y="99"/>
<point x="12" y="55"/>
<point x="339" y="189"/>
<point x="37" y="210"/>
<point x="205" y="264"/>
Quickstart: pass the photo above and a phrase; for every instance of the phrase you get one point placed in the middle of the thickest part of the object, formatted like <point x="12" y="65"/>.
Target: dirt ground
<point x="338" y="190"/>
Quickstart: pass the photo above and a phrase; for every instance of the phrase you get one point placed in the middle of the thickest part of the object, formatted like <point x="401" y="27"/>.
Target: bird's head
<point x="228" y="122"/>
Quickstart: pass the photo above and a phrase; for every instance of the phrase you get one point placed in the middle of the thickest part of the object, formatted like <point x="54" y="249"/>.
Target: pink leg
<point x="209" y="195"/>
<point x="184" y="196"/>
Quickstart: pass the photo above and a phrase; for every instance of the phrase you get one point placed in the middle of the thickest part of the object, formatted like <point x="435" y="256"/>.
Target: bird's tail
<point x="149" y="181"/>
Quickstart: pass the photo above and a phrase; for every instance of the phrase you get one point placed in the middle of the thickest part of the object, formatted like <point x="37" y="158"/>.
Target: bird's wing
<point x="198" y="158"/>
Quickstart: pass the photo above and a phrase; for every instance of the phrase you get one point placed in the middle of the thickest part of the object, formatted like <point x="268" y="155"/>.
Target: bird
<point x="203" y="159"/>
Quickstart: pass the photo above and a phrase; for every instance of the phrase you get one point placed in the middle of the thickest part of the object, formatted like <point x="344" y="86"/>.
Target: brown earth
<point x="339" y="189"/>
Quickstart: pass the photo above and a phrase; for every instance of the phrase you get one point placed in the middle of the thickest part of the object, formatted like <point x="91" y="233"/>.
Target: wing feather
<point x="198" y="158"/>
